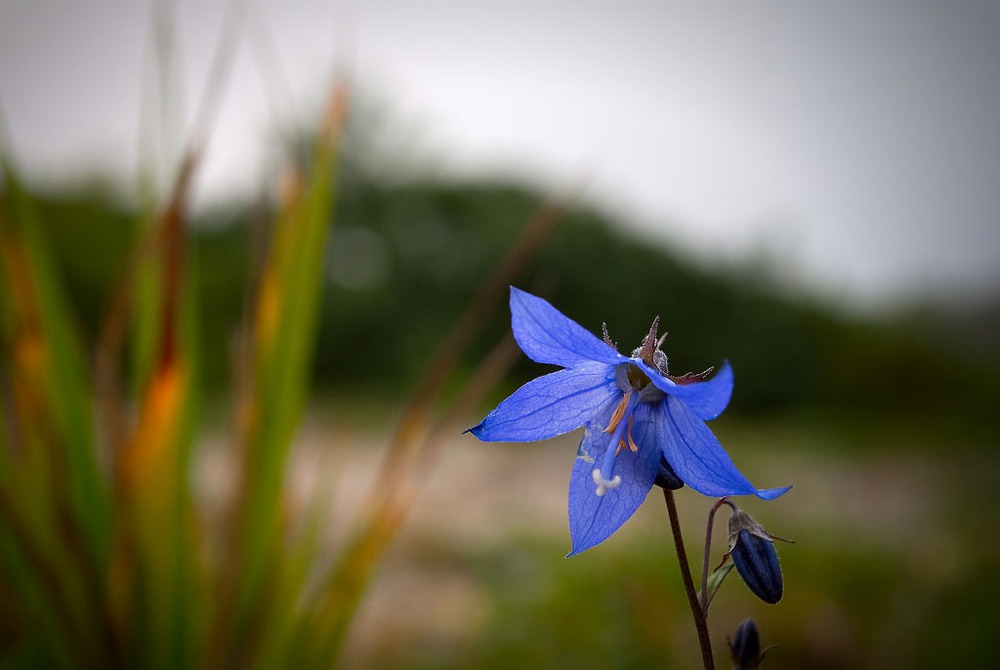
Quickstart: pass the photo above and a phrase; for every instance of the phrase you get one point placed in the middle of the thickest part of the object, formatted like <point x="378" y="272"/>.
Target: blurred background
<point x="807" y="191"/>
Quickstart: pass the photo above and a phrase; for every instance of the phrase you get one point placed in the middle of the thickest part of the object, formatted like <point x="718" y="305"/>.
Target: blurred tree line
<point x="406" y="256"/>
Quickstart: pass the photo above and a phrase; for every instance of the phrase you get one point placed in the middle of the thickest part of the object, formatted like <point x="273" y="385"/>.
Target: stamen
<point x="626" y="440"/>
<point x="619" y="412"/>
<point x="603" y="485"/>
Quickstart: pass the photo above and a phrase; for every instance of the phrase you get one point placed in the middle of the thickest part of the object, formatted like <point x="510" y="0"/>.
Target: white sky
<point x="857" y="141"/>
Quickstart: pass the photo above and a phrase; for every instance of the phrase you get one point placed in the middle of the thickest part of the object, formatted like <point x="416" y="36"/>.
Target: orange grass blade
<point x="160" y="548"/>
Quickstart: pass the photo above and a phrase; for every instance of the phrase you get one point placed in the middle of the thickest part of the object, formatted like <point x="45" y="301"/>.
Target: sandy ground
<point x="476" y="496"/>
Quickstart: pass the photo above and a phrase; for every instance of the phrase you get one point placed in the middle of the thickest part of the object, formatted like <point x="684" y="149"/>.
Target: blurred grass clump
<point x="106" y="557"/>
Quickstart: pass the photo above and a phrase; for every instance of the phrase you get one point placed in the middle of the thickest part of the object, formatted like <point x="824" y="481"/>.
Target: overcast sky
<point x="858" y="141"/>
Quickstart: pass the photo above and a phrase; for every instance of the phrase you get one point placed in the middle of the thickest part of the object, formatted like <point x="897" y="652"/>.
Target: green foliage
<point x="54" y="574"/>
<point x="408" y="255"/>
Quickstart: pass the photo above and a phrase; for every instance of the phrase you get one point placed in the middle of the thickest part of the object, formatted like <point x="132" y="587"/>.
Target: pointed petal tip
<point x="477" y="431"/>
<point x="577" y="550"/>
<point x="517" y="295"/>
<point x="771" y="494"/>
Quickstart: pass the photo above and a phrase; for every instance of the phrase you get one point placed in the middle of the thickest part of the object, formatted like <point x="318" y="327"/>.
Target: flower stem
<point x="697" y="612"/>
<point x="708" y="549"/>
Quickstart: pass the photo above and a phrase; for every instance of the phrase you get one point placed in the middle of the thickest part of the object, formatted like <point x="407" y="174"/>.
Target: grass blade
<point x="283" y="340"/>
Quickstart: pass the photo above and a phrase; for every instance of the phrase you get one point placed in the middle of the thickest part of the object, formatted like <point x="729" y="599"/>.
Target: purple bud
<point x="745" y="646"/>
<point x="753" y="553"/>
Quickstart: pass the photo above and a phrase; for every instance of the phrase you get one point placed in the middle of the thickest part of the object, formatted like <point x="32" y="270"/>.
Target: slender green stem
<point x="708" y="550"/>
<point x="697" y="613"/>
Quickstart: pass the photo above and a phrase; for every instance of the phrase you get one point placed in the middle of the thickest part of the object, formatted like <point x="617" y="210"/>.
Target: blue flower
<point x="635" y="414"/>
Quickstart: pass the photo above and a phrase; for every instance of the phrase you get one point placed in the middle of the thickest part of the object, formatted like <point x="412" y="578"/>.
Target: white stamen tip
<point x="604" y="485"/>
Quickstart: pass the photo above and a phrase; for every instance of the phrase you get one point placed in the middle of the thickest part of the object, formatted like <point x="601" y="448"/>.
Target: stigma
<point x="603" y="485"/>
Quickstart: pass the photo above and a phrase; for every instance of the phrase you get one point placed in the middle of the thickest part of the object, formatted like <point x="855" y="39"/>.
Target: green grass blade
<point x="43" y="324"/>
<point x="285" y="330"/>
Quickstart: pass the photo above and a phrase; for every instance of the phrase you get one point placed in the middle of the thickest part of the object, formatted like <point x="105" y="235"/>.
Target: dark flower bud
<point x="745" y="646"/>
<point x="666" y="478"/>
<point x="752" y="550"/>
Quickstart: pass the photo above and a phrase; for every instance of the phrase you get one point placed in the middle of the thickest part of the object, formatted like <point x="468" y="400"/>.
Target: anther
<point x="619" y="413"/>
<point x="604" y="485"/>
<point x="626" y="440"/>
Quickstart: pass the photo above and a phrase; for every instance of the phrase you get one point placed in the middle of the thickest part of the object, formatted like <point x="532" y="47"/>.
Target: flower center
<point x="636" y="387"/>
<point x="636" y="377"/>
<point x="629" y="377"/>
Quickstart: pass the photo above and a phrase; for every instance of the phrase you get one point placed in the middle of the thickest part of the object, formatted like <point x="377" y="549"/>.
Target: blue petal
<point x="550" y="405"/>
<point x="593" y="518"/>
<point x="696" y="455"/>
<point x="548" y="336"/>
<point x="706" y="399"/>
